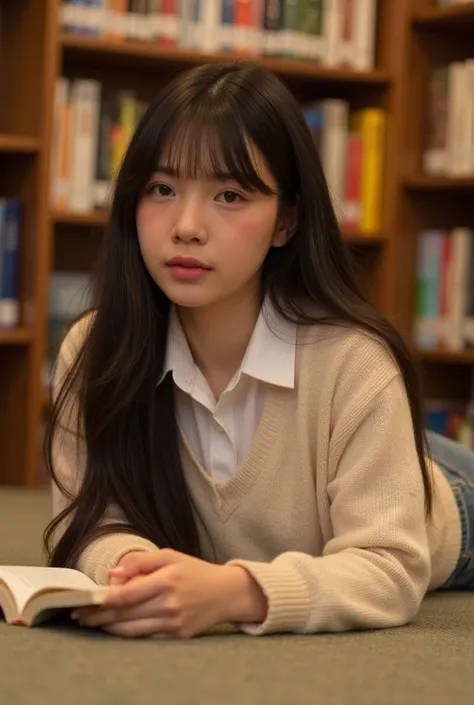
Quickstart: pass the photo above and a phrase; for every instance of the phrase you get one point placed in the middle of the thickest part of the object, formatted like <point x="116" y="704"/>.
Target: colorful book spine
<point x="10" y="227"/>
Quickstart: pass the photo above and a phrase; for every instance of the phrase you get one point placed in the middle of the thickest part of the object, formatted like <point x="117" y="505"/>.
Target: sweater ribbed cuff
<point x="287" y="595"/>
<point x="104" y="554"/>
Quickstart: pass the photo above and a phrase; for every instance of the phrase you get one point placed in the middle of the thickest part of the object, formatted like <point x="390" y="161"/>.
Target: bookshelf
<point x="58" y="240"/>
<point x="437" y="36"/>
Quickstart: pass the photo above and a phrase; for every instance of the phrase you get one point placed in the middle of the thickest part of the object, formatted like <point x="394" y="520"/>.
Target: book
<point x="32" y="595"/>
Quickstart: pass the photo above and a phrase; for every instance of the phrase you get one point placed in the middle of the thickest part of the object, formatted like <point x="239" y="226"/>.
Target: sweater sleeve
<point x="69" y="462"/>
<point x="374" y="570"/>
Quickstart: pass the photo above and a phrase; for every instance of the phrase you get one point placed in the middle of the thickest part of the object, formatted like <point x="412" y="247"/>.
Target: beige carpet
<point x="430" y="661"/>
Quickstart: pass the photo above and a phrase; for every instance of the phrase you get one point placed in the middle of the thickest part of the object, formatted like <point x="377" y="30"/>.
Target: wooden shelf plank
<point x="19" y="143"/>
<point x="424" y="182"/>
<point x="93" y="219"/>
<point x="364" y="239"/>
<point x="455" y="16"/>
<point x="463" y="357"/>
<point x="19" y="336"/>
<point x="149" y="52"/>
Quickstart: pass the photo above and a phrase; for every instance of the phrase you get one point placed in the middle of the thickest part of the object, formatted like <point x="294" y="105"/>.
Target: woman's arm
<point x="375" y="570"/>
<point x="69" y="461"/>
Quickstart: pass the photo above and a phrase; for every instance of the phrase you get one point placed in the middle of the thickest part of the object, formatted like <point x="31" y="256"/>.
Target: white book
<point x="455" y="118"/>
<point x="85" y="106"/>
<point x="469" y="118"/>
<point x="29" y="595"/>
<point x="334" y="150"/>
<point x="207" y="27"/>
<point x="365" y="34"/>
<point x="332" y="29"/>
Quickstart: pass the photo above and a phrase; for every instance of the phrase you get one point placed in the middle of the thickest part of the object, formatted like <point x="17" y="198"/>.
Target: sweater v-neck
<point x="226" y="496"/>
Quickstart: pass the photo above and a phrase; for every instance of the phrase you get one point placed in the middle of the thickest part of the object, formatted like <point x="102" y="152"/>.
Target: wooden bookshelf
<point x="464" y="357"/>
<point x="19" y="143"/>
<point x="124" y="52"/>
<point x="19" y="336"/>
<point x="436" y="36"/>
<point x="55" y="240"/>
<point x="424" y="182"/>
<point x="460" y="17"/>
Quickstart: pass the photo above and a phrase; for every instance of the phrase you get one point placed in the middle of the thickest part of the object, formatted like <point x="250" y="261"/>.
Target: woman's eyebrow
<point x="211" y="175"/>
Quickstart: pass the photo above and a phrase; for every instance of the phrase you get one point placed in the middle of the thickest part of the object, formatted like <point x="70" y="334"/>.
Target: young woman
<point x="236" y="434"/>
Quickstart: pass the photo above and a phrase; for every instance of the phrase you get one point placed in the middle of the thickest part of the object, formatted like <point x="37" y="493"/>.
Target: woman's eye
<point x="230" y="197"/>
<point x="160" y="190"/>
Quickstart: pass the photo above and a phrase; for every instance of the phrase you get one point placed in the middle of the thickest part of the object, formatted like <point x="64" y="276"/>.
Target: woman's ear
<point x="286" y="226"/>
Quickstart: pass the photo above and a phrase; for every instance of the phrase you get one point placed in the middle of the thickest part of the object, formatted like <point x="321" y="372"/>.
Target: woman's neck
<point x="218" y="337"/>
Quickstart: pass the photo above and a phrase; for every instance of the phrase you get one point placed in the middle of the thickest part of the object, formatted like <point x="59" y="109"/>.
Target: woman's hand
<point x="171" y="593"/>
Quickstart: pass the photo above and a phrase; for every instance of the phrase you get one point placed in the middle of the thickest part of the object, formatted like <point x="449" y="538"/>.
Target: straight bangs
<point x="218" y="148"/>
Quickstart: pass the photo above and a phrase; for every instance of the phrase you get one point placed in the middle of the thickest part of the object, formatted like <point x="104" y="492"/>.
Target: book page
<point x="25" y="581"/>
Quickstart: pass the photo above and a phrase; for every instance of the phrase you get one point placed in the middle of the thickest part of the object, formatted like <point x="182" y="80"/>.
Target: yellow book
<point x="371" y="122"/>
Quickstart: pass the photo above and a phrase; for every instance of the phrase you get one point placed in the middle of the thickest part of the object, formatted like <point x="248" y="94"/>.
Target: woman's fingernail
<point x="118" y="570"/>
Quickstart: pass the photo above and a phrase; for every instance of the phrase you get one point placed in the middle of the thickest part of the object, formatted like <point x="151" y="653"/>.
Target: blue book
<point x="10" y="264"/>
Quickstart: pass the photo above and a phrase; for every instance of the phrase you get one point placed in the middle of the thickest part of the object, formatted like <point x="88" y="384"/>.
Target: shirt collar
<point x="270" y="355"/>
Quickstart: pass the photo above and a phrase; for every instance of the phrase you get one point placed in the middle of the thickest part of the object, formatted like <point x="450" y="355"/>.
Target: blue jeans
<point x="457" y="463"/>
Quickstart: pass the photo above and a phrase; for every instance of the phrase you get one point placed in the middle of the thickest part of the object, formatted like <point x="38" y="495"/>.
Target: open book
<point x="30" y="595"/>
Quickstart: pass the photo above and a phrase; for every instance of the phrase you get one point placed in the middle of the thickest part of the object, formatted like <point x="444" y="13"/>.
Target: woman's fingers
<point x="142" y="628"/>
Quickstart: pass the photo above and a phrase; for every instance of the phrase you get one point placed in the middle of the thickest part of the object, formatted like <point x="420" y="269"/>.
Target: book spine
<point x="332" y="31"/>
<point x="373" y="139"/>
<point x="290" y="28"/>
<point x="348" y="46"/>
<point x="434" y="160"/>
<point x="455" y="118"/>
<point x="365" y="29"/>
<point x="108" y="118"/>
<point x="334" y="150"/>
<point x="3" y="206"/>
<point x="272" y="27"/>
<point x="258" y="16"/>
<point x="314" y="30"/>
<point x="85" y="118"/>
<point x="61" y="91"/>
<point x="353" y="182"/>
<point x="9" y="295"/>
<point x="302" y="46"/>
<point x="461" y="257"/>
<point x="226" y="32"/>
<point x="210" y="17"/>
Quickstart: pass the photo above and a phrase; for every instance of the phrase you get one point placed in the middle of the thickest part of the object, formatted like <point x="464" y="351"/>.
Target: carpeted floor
<point x="430" y="661"/>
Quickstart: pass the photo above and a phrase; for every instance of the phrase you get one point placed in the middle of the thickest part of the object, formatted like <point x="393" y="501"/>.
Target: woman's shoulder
<point x="75" y="337"/>
<point x="346" y="351"/>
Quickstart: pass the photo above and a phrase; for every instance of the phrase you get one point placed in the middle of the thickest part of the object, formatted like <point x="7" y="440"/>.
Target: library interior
<point x="380" y="85"/>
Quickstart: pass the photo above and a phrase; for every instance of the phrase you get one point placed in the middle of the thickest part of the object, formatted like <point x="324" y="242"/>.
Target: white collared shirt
<point x="220" y="433"/>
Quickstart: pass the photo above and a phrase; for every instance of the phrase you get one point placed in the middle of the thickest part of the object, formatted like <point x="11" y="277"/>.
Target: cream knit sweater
<point x="327" y="511"/>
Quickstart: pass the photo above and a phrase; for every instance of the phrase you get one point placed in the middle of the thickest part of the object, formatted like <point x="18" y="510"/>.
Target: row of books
<point x="91" y="134"/>
<point x="444" y="309"/>
<point x="449" y="145"/>
<point x="10" y="233"/>
<point x="351" y="146"/>
<point x="451" y="418"/>
<point x="333" y="32"/>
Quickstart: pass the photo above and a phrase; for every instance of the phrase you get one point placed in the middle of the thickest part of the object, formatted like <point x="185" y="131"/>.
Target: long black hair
<point x="126" y="422"/>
